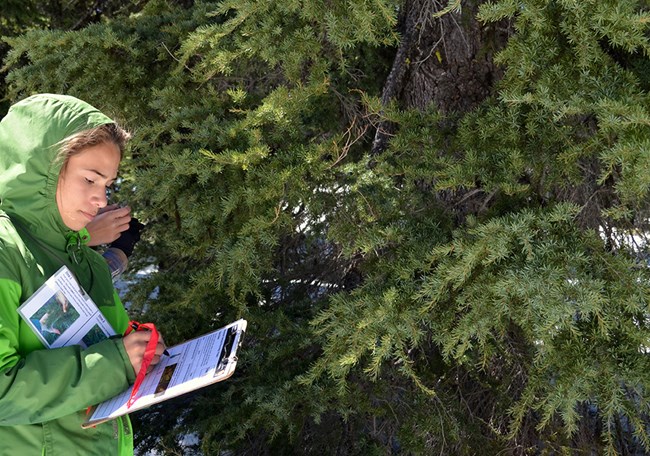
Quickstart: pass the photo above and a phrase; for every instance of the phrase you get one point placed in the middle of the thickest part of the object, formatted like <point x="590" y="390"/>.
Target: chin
<point x="75" y="226"/>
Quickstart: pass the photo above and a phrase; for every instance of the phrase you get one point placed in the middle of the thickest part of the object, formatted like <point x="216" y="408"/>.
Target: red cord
<point x="149" y="353"/>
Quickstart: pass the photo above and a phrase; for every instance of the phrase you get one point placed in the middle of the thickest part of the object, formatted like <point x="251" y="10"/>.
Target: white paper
<point x="61" y="313"/>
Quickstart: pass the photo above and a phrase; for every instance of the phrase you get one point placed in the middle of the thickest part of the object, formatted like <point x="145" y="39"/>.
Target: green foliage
<point x="565" y="92"/>
<point x="463" y="291"/>
<point x="301" y="37"/>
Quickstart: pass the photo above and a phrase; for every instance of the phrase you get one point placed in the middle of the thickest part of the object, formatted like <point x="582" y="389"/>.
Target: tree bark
<point x="445" y="58"/>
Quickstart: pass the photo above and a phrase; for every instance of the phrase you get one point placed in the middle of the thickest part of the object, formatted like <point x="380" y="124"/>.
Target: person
<point x="57" y="156"/>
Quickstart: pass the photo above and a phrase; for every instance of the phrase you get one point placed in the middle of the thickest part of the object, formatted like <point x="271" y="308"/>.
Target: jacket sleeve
<point x="48" y="384"/>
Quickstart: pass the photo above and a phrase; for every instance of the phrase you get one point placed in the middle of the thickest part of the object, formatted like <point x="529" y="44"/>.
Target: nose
<point x="99" y="199"/>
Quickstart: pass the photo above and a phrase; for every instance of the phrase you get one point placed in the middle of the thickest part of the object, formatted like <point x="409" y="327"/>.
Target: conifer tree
<point x="433" y="215"/>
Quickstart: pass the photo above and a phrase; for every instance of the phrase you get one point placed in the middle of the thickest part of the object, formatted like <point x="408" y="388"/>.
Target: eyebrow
<point x="92" y="170"/>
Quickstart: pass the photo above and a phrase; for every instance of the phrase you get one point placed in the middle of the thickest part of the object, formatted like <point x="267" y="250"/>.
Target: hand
<point x="136" y="343"/>
<point x="126" y="241"/>
<point x="108" y="224"/>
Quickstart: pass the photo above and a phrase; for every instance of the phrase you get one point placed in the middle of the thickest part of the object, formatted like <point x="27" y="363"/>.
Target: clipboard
<point x="191" y="365"/>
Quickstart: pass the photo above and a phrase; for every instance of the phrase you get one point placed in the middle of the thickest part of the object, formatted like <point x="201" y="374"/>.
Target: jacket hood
<point x="29" y="138"/>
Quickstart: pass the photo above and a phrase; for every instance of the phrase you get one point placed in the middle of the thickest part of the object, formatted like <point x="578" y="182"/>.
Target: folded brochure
<point x="61" y="313"/>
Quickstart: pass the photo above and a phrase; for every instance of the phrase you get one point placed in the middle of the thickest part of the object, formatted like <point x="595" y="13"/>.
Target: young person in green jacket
<point x="57" y="156"/>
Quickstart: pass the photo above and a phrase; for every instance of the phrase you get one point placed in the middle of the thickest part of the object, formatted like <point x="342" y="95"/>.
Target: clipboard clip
<point x="228" y="346"/>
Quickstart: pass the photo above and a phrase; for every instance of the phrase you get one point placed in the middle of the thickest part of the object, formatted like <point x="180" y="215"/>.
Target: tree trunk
<point x="445" y="57"/>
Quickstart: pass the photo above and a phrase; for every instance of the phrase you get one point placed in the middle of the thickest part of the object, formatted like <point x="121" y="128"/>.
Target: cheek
<point x="66" y="194"/>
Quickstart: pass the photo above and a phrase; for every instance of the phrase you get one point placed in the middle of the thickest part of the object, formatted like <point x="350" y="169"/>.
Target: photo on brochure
<point x="54" y="318"/>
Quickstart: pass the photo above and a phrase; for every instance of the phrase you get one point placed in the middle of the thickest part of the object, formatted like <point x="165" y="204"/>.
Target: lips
<point x="90" y="216"/>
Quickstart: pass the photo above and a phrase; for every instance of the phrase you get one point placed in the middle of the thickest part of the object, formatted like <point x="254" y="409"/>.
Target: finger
<point x="154" y="361"/>
<point x="113" y="237"/>
<point x="160" y="348"/>
<point x="122" y="225"/>
<point x="140" y="338"/>
<point x="122" y="218"/>
<point x="123" y="212"/>
<point x="110" y="207"/>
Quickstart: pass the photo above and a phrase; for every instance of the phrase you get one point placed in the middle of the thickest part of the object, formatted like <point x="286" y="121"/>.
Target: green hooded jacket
<point x="44" y="394"/>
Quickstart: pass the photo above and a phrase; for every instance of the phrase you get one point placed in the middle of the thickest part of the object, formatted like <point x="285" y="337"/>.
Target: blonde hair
<point x="106" y="133"/>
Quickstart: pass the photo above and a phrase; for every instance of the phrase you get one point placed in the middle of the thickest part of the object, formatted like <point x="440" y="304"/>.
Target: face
<point x="81" y="190"/>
